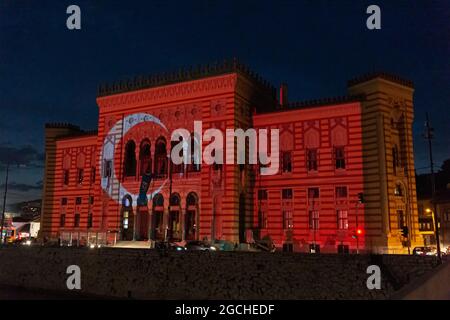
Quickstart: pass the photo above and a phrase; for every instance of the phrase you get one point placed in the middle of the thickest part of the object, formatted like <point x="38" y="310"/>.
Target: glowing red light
<point x="359" y="231"/>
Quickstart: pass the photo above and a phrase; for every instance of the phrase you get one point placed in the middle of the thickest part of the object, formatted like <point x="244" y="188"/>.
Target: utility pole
<point x="4" y="204"/>
<point x="429" y="137"/>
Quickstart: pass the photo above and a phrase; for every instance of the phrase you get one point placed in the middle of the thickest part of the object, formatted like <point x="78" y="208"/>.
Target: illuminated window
<point x="311" y="159"/>
<point x="288" y="221"/>
<point x="398" y="191"/>
<point x="313" y="219"/>
<point x="80" y="176"/>
<point x="339" y="157"/>
<point x="125" y="219"/>
<point x="342" y="219"/>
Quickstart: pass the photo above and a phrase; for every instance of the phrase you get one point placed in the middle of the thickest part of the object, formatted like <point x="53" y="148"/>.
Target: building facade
<point x="330" y="151"/>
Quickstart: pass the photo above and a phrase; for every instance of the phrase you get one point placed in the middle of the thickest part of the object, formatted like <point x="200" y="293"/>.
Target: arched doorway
<point x="190" y="222"/>
<point x="242" y="218"/>
<point x="174" y="225"/>
<point x="157" y="232"/>
<point x="127" y="218"/>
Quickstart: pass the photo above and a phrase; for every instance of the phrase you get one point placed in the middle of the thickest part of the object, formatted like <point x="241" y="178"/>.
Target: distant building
<point x="426" y="222"/>
<point x="330" y="151"/>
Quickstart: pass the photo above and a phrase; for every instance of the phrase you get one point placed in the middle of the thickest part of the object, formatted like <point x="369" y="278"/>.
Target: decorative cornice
<point x="382" y="75"/>
<point x="169" y="92"/>
<point x="185" y="74"/>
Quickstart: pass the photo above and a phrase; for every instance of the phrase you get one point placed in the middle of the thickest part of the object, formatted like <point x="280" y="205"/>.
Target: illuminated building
<point x="330" y="151"/>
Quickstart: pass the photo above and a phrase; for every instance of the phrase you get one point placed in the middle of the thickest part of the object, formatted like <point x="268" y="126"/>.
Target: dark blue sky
<point x="49" y="73"/>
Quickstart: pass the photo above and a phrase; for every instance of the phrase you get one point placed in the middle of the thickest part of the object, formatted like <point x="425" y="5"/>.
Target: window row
<point x="76" y="220"/>
<point x="313" y="193"/>
<point x="78" y="200"/>
<point x="312" y="160"/>
<point x="79" y="177"/>
<point x="314" y="221"/>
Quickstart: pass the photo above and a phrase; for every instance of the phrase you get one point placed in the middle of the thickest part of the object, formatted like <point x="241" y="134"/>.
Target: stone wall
<point x="145" y="274"/>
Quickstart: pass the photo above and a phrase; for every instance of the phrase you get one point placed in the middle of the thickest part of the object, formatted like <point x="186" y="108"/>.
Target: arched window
<point x="158" y="200"/>
<point x="160" y="158"/>
<point x="395" y="159"/>
<point x="130" y="159"/>
<point x="145" y="158"/>
<point x="177" y="168"/>
<point x="398" y="191"/>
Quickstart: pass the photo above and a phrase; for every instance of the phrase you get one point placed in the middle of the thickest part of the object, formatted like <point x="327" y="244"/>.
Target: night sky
<point x="50" y="74"/>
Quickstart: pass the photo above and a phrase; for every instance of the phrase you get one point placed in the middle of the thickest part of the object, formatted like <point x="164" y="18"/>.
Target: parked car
<point x="428" y="251"/>
<point x="199" y="246"/>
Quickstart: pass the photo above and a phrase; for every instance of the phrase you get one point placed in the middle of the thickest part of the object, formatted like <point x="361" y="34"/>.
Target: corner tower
<point x="388" y="161"/>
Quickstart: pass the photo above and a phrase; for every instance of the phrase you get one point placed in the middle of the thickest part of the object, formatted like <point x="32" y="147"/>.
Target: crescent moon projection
<point x="111" y="184"/>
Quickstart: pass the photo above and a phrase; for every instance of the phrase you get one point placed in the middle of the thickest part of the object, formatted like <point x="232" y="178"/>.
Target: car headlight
<point x="213" y="248"/>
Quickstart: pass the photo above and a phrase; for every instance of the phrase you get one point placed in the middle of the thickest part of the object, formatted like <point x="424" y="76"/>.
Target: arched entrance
<point x="242" y="218"/>
<point x="174" y="224"/>
<point x="127" y="218"/>
<point x="157" y="232"/>
<point x="190" y="222"/>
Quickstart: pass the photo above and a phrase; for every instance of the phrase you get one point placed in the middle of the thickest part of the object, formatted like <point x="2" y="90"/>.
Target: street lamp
<point x="436" y="225"/>
<point x="4" y="204"/>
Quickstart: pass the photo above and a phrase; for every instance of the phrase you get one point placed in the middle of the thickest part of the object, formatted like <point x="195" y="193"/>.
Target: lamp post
<point x="429" y="137"/>
<point x="4" y="204"/>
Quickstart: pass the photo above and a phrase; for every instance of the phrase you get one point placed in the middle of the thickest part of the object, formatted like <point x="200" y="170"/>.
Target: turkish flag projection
<point x="145" y="183"/>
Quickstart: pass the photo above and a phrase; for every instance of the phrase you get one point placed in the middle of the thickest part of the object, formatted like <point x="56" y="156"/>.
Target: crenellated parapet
<point x="186" y="74"/>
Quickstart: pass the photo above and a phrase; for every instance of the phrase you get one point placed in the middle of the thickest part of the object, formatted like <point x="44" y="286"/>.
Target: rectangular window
<point x="125" y="220"/>
<point x="341" y="192"/>
<point x="313" y="193"/>
<point x="62" y="220"/>
<point x="80" y="176"/>
<point x="66" y="177"/>
<point x="311" y="159"/>
<point x="91" y="199"/>
<point x="89" y="222"/>
<point x="313" y="219"/>
<point x="262" y="194"/>
<point x="288" y="221"/>
<point x="286" y="194"/>
<point x="339" y="157"/>
<point x="76" y="222"/>
<point x="262" y="217"/>
<point x="64" y="201"/>
<point x="342" y="219"/>
<point x="286" y="161"/>
<point x="78" y="200"/>
<point x="400" y="219"/>
<point x="107" y="171"/>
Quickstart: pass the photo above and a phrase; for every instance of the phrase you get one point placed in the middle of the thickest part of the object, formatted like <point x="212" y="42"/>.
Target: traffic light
<point x="361" y="197"/>
<point x="358" y="232"/>
<point x="405" y="231"/>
